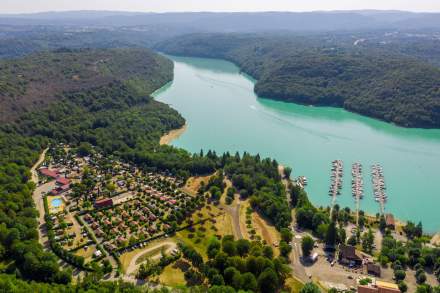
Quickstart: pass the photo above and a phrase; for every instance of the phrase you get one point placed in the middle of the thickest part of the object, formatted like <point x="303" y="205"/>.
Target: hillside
<point x="372" y="82"/>
<point x="33" y="82"/>
<point x="78" y="100"/>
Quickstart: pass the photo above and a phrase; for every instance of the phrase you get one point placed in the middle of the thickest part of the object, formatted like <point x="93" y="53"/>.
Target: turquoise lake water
<point x="224" y="114"/>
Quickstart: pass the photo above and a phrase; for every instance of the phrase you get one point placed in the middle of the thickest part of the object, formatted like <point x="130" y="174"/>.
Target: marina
<point x="379" y="187"/>
<point x="336" y="180"/>
<point x="357" y="186"/>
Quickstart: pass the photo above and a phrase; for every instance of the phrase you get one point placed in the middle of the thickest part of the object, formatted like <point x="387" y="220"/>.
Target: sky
<point x="29" y="6"/>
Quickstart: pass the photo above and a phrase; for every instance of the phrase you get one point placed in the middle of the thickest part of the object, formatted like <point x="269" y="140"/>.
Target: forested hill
<point x="95" y="97"/>
<point x="371" y="82"/>
<point x="33" y="82"/>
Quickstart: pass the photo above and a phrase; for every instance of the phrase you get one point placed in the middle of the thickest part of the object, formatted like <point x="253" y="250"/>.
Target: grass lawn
<point x="151" y="253"/>
<point x="293" y="285"/>
<point x="199" y="237"/>
<point x="193" y="184"/>
<point x="266" y="231"/>
<point x="172" y="276"/>
<point x="242" y="214"/>
<point x="86" y="253"/>
<point x="127" y="257"/>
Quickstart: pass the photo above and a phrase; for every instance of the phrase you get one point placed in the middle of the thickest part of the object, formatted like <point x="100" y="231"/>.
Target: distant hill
<point x="238" y="21"/>
<point x="372" y="82"/>
<point x="33" y="82"/>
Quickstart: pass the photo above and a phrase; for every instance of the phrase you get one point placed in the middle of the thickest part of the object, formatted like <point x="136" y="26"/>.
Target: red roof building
<point x="389" y="219"/>
<point x="63" y="181"/>
<point x="48" y="173"/>
<point x="106" y="202"/>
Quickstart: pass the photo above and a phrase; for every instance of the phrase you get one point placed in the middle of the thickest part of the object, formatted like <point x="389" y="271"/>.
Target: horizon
<point x="225" y="11"/>
<point x="172" y="6"/>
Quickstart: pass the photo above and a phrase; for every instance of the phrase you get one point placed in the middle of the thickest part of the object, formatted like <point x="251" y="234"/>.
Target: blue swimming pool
<point x="56" y="202"/>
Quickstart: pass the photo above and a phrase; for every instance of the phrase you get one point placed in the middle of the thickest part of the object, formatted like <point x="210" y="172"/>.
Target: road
<point x="132" y="267"/>
<point x="38" y="200"/>
<point x="234" y="211"/>
<point x="36" y="165"/>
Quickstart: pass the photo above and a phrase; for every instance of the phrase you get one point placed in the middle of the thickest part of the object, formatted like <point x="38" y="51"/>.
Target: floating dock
<point x="336" y="181"/>
<point x="357" y="186"/>
<point x="378" y="181"/>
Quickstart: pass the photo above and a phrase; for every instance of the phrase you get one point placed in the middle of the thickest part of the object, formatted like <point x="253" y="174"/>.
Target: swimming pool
<point x="56" y="202"/>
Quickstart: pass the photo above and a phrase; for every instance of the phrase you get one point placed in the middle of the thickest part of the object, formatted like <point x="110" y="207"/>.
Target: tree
<point x="399" y="275"/>
<point x="229" y="274"/>
<point x="352" y="240"/>
<point x="242" y="247"/>
<point x="310" y="288"/>
<point x="307" y="244"/>
<point x="229" y="247"/>
<point x="368" y="241"/>
<point x="268" y="252"/>
<point x="285" y="248"/>
<point x="249" y="282"/>
<point x="268" y="281"/>
<point x="382" y="223"/>
<point x="217" y="280"/>
<point x="420" y="277"/>
<point x="331" y="235"/>
<point x="286" y="235"/>
<point x="402" y="286"/>
<point x="287" y="172"/>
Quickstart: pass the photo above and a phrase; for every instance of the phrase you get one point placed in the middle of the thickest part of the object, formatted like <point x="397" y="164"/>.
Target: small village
<point x="98" y="208"/>
<point x="101" y="210"/>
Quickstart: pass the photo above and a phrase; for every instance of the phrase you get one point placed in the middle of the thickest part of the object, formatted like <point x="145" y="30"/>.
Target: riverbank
<point x="172" y="135"/>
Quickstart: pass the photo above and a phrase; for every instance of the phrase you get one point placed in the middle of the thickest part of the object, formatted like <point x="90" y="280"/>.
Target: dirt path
<point x="132" y="267"/>
<point x="38" y="200"/>
<point x="234" y="211"/>
<point x="35" y="166"/>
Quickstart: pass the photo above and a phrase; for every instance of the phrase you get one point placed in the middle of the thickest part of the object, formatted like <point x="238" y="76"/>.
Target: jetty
<point x="378" y="181"/>
<point x="336" y="180"/>
<point x="357" y="186"/>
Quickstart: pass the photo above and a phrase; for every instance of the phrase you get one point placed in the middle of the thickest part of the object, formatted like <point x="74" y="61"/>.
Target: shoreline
<point x="172" y="135"/>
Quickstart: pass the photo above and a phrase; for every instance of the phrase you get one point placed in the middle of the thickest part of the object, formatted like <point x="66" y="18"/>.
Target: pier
<point x="379" y="187"/>
<point x="336" y="181"/>
<point x="357" y="186"/>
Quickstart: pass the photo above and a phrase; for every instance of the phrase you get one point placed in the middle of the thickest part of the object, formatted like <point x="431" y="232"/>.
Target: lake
<point x="224" y="114"/>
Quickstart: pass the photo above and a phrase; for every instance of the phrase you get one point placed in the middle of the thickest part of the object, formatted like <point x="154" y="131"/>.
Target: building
<point x="48" y="173"/>
<point x="373" y="269"/>
<point x="349" y="256"/>
<point x="63" y="181"/>
<point x="379" y="287"/>
<point x="103" y="203"/>
<point x="389" y="220"/>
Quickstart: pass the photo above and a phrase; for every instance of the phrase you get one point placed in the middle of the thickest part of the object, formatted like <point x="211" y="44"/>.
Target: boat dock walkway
<point x="336" y="181"/>
<point x="357" y="186"/>
<point x="379" y="187"/>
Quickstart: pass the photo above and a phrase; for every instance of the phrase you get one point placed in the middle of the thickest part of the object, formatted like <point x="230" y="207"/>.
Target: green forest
<point x="119" y="119"/>
<point x="385" y="85"/>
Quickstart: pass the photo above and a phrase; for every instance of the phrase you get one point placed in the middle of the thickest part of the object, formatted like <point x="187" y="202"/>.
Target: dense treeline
<point x="254" y="178"/>
<point x="236" y="265"/>
<point x="261" y="181"/>
<point x="386" y="86"/>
